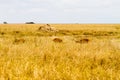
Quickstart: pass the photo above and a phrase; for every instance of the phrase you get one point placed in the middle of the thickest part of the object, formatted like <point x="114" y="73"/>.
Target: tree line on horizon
<point x="25" y="22"/>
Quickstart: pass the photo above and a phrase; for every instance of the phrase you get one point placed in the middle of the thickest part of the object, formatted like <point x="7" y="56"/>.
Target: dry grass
<point x="40" y="58"/>
<point x="64" y="29"/>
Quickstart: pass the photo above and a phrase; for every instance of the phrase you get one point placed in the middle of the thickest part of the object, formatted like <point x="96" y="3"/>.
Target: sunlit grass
<point x="40" y="58"/>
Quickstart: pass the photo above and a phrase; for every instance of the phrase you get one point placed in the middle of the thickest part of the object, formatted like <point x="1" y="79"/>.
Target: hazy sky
<point x="60" y="11"/>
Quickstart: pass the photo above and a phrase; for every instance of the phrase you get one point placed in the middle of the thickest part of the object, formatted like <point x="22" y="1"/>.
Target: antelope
<point x="83" y="41"/>
<point x="57" y="40"/>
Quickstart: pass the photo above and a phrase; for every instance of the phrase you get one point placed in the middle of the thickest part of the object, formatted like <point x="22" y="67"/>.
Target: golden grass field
<point x="29" y="54"/>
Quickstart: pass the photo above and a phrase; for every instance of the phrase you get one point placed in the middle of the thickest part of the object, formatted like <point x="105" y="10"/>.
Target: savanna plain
<point x="67" y="52"/>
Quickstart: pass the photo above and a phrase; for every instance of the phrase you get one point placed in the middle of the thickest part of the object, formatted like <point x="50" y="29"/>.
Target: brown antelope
<point x="83" y="41"/>
<point x="57" y="40"/>
<point x="19" y="40"/>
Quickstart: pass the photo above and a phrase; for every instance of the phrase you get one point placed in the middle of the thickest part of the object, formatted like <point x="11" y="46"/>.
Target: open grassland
<point x="75" y="52"/>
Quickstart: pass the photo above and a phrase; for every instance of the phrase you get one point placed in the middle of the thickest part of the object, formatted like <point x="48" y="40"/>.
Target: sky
<point x="60" y="11"/>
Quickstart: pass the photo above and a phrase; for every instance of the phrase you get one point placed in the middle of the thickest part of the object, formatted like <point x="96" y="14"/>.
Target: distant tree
<point x="29" y="23"/>
<point x="5" y="23"/>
